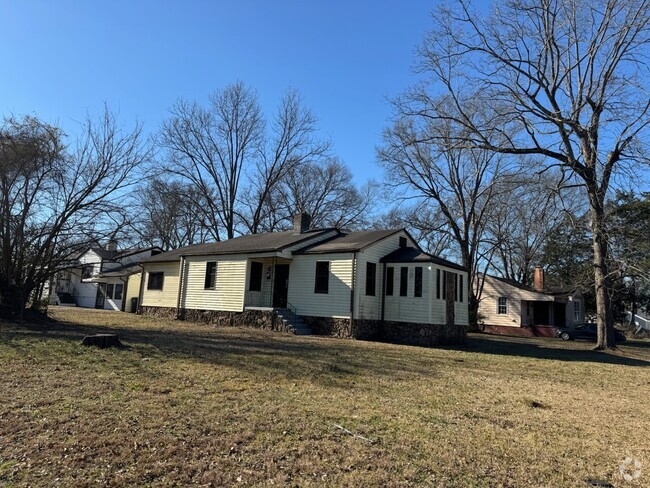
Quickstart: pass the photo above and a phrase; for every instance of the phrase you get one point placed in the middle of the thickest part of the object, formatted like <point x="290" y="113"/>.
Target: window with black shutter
<point x="371" y="279"/>
<point x="403" y="281"/>
<point x="390" y="281"/>
<point x="255" y="282"/>
<point x="155" y="281"/>
<point x="417" y="290"/>
<point x="322" y="284"/>
<point x="210" y="274"/>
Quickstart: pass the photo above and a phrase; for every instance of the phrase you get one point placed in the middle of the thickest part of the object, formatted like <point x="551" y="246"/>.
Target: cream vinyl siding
<point x="492" y="290"/>
<point x="168" y="296"/>
<point x="132" y="290"/>
<point x="369" y="307"/>
<point x="426" y="309"/>
<point x="410" y="308"/>
<point x="302" y="278"/>
<point x="228" y="295"/>
<point x="263" y="297"/>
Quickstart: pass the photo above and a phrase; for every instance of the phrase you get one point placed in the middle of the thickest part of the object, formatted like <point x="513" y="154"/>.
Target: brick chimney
<point x="111" y="245"/>
<point x="301" y="223"/>
<point x="538" y="279"/>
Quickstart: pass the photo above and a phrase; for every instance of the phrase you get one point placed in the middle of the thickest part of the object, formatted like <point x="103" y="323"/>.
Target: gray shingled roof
<point x="248" y="244"/>
<point x="412" y="255"/>
<point x="349" y="241"/>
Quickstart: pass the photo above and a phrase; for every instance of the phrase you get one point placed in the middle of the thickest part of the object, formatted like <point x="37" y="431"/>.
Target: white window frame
<point x="502" y="306"/>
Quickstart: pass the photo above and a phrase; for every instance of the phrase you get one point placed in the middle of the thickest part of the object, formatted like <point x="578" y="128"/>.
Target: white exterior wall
<point x="262" y="298"/>
<point x="302" y="279"/>
<point x="570" y="313"/>
<point x="492" y="290"/>
<point x="85" y="292"/>
<point x="228" y="294"/>
<point x="111" y="303"/>
<point x="168" y="296"/>
<point x="90" y="257"/>
<point x="426" y="309"/>
<point x="369" y="307"/>
<point x="410" y="308"/>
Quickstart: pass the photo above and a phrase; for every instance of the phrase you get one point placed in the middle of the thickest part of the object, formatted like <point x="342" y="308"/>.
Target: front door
<point x="281" y="285"/>
<point x="101" y="295"/>
<point x="540" y="313"/>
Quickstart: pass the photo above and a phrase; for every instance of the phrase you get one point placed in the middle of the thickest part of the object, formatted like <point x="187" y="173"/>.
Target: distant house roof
<point x="348" y="241"/>
<point x="114" y="255"/>
<point x="413" y="255"/>
<point x="531" y="293"/>
<point x="248" y="244"/>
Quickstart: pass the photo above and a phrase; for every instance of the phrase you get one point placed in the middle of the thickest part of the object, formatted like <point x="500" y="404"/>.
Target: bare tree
<point x="54" y="200"/>
<point x="459" y="184"/>
<point x="526" y="211"/>
<point x="211" y="148"/>
<point x="169" y="214"/>
<point x="327" y="193"/>
<point x="561" y="79"/>
<point x="292" y="144"/>
<point x="425" y="223"/>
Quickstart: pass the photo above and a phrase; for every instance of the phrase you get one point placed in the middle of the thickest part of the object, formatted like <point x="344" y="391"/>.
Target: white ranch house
<point x="368" y="284"/>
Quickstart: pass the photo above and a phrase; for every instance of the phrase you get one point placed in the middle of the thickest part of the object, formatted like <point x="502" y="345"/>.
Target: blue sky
<point x="63" y="59"/>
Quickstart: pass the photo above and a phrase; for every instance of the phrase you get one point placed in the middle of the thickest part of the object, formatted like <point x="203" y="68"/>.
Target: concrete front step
<point x="293" y="322"/>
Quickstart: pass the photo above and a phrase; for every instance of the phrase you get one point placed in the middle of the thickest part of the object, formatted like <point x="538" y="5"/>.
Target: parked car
<point x="584" y="331"/>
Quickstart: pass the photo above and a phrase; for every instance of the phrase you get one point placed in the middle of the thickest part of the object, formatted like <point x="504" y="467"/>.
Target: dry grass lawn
<point x="187" y="404"/>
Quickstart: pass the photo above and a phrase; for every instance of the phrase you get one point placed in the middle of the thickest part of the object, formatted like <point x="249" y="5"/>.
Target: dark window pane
<point x="402" y="242"/>
<point x="118" y="291"/>
<point x="155" y="281"/>
<point x="210" y="274"/>
<point x="255" y="283"/>
<point x="371" y="278"/>
<point x="322" y="277"/>
<point x="418" y="282"/>
<point x="390" y="281"/>
<point x="109" y="290"/>
<point x="403" y="281"/>
<point x="444" y="285"/>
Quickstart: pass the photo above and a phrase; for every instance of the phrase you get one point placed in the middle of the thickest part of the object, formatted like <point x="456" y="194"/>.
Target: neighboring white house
<point x="367" y="284"/>
<point x="98" y="276"/>
<point x="640" y="321"/>
<point x="510" y="308"/>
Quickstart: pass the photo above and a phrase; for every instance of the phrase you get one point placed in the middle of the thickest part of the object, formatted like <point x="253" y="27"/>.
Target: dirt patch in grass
<point x="186" y="403"/>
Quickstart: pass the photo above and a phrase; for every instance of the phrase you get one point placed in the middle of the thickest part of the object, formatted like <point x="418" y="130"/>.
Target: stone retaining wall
<point x="423" y="334"/>
<point x="162" y="312"/>
<point x="373" y="330"/>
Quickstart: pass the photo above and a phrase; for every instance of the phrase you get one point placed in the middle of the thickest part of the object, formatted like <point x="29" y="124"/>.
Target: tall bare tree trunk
<point x="604" y="315"/>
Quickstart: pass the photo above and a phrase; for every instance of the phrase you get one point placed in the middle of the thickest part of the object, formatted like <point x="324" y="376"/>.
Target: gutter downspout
<point x="354" y="266"/>
<point x="180" y="288"/>
<point x="383" y="291"/>
<point x="125" y="290"/>
<point x="141" y="292"/>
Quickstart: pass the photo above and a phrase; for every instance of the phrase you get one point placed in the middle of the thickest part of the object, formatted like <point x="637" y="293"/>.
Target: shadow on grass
<point x="334" y="362"/>
<point x="551" y="349"/>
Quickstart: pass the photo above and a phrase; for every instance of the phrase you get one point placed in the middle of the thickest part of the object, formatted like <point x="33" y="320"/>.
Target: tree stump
<point x="102" y="340"/>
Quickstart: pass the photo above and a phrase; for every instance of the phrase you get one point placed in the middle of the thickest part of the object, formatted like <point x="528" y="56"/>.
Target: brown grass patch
<point x="186" y="403"/>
